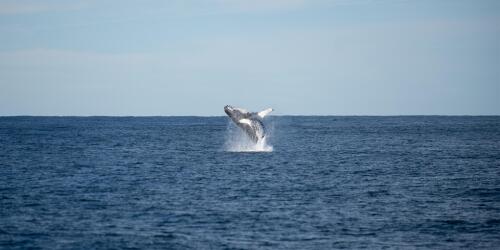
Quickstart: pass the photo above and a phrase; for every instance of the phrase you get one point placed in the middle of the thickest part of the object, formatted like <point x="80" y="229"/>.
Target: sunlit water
<point x="176" y="183"/>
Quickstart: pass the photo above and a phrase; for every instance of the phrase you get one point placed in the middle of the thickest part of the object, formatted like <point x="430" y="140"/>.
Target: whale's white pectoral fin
<point x="264" y="112"/>
<point x="246" y="121"/>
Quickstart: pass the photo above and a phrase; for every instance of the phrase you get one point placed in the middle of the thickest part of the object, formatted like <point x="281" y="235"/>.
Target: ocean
<point x="320" y="182"/>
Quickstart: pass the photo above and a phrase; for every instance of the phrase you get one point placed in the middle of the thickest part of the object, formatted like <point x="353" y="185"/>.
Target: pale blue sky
<point x="186" y="57"/>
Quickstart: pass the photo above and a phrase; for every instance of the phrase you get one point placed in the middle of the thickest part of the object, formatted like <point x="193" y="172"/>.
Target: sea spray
<point x="238" y="141"/>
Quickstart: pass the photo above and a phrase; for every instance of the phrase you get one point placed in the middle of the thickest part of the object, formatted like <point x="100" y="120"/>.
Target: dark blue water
<point x="168" y="182"/>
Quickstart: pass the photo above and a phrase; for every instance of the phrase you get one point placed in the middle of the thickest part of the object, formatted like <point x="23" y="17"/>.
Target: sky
<point x="187" y="57"/>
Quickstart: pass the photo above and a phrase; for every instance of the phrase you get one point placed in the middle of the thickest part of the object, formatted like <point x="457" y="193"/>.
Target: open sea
<point x="329" y="182"/>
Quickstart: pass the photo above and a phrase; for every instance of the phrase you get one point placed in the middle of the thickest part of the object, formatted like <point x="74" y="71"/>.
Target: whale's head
<point x="229" y="110"/>
<point x="236" y="113"/>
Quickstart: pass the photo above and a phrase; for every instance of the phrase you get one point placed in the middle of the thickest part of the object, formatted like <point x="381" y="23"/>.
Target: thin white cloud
<point x="252" y="5"/>
<point x="29" y="7"/>
<point x="277" y="5"/>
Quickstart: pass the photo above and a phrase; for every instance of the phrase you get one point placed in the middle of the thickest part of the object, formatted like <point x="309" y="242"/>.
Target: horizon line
<point x="281" y="115"/>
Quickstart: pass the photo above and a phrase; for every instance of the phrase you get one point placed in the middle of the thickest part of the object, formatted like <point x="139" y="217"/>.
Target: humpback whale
<point x="250" y="122"/>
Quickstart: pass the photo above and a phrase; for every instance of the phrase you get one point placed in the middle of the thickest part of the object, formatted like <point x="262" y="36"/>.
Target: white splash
<point x="238" y="141"/>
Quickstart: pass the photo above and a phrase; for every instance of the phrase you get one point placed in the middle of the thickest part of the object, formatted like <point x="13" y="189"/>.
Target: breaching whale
<point x="250" y="122"/>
